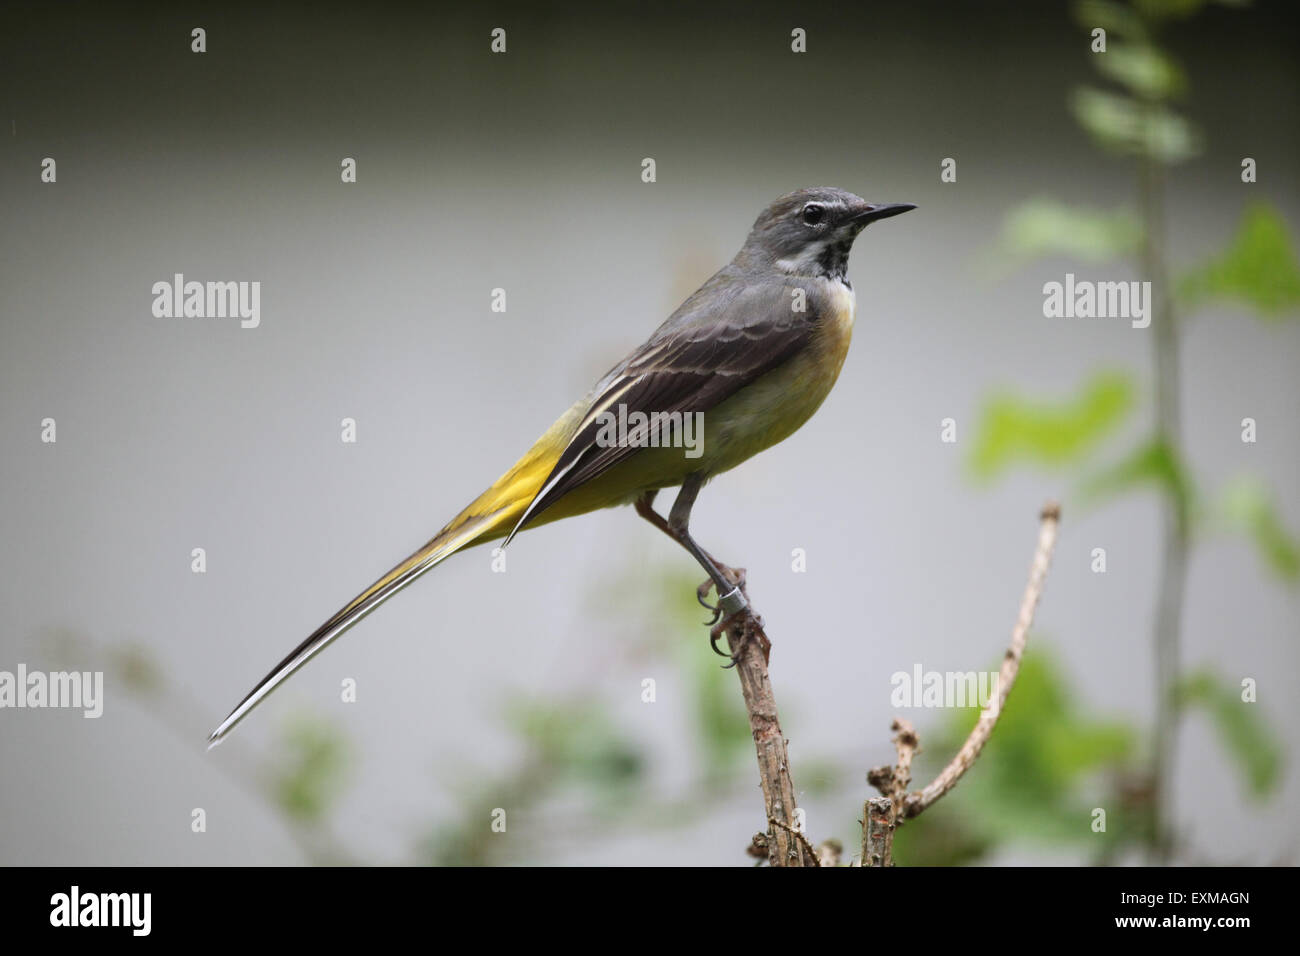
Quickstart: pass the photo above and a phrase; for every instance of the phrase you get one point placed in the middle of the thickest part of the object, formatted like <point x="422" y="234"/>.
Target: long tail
<point x="491" y="515"/>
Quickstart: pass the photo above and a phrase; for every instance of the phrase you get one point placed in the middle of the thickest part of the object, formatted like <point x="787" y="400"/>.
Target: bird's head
<point x="810" y="231"/>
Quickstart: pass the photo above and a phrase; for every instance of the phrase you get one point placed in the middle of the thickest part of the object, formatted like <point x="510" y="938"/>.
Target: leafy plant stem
<point x="1174" y="552"/>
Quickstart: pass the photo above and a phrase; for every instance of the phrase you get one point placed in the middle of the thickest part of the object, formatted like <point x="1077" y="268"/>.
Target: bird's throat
<point x="825" y="259"/>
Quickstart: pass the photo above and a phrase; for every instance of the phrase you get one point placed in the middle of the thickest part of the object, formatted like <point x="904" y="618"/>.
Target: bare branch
<point x="917" y="802"/>
<point x="749" y="649"/>
<point x="882" y="815"/>
<point x="878" y="832"/>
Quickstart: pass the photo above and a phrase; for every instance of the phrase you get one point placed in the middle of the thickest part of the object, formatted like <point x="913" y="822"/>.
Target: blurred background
<point x="522" y="170"/>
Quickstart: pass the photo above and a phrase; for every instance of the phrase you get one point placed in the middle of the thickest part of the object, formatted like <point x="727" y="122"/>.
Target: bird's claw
<point x="716" y="633"/>
<point x="718" y="630"/>
<point x="730" y="606"/>
<point x="701" y="593"/>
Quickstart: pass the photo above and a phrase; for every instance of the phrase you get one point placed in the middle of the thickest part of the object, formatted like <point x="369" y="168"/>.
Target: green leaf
<point x="1248" y="508"/>
<point x="720" y="723"/>
<point x="1041" y="227"/>
<point x="1123" y="125"/>
<point x="1014" y="429"/>
<point x="1038" y="777"/>
<point x="942" y="837"/>
<point x="1245" y="736"/>
<point x="1146" y="71"/>
<point x="310" y="771"/>
<point x="577" y="740"/>
<point x="1258" y="269"/>
<point x="1152" y="464"/>
<point x="1158" y="10"/>
<point x="1115" y="18"/>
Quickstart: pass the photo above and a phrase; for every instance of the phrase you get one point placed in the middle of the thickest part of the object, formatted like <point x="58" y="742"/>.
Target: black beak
<point x="873" y="211"/>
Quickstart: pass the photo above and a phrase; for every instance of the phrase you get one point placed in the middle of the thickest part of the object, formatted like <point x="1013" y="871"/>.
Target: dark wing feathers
<point x="721" y="340"/>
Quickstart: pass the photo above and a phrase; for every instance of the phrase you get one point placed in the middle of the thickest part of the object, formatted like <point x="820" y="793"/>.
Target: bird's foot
<point x="751" y="627"/>
<point x="731" y="602"/>
<point x="718" y="631"/>
<point x="731" y="606"/>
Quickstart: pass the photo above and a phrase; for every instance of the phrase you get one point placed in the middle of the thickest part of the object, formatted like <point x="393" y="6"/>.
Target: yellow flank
<point x="776" y="406"/>
<point x="755" y="418"/>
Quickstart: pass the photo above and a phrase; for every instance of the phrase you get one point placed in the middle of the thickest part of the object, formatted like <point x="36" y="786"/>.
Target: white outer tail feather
<point x="353" y="612"/>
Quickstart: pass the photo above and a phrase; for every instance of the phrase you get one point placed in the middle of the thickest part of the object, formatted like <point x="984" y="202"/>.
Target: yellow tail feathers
<point x="492" y="515"/>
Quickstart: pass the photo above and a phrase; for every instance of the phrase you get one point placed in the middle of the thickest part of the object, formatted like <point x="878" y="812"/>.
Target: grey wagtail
<point x="752" y="354"/>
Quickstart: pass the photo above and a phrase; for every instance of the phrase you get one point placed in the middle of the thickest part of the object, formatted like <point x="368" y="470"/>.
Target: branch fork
<point x="784" y="844"/>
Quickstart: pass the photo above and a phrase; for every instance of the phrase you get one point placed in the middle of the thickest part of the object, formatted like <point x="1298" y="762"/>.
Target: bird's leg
<point x="645" y="508"/>
<point x="729" y="582"/>
<point x="735" y="576"/>
<point x="731" y="600"/>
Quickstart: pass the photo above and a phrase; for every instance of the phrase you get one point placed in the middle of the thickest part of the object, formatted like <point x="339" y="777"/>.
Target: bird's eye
<point x="813" y="213"/>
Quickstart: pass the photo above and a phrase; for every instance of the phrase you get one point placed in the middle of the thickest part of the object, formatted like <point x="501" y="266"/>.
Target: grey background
<point x="522" y="171"/>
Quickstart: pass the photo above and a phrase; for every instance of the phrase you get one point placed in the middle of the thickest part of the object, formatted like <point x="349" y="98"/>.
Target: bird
<point x="750" y="356"/>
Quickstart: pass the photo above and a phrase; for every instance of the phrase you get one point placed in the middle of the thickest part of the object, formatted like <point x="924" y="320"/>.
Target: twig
<point x="813" y="855"/>
<point x="906" y="744"/>
<point x="959" y="764"/>
<point x="883" y="815"/>
<point x="749" y="649"/>
<point x="878" y="832"/>
<point x="879" y="813"/>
